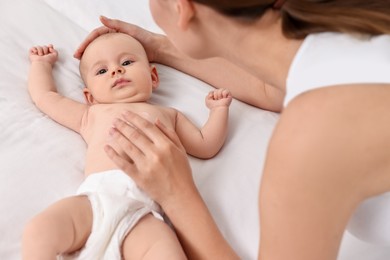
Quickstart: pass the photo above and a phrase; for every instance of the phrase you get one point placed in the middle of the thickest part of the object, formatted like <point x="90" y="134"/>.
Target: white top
<point x="328" y="59"/>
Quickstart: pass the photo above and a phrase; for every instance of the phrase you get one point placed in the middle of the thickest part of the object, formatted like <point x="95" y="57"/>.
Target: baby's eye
<point x="126" y="63"/>
<point x="102" y="71"/>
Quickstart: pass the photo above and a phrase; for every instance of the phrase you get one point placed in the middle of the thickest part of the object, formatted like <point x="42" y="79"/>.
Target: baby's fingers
<point x="219" y="94"/>
<point x="42" y="50"/>
<point x="34" y="51"/>
<point x="225" y="93"/>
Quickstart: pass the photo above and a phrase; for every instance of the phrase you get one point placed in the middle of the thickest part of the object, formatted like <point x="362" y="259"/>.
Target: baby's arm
<point x="43" y="90"/>
<point x="207" y="141"/>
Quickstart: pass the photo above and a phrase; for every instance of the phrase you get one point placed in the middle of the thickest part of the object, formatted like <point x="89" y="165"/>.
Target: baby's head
<point x="115" y="69"/>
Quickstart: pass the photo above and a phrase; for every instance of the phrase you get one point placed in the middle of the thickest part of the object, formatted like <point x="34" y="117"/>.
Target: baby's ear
<point x="88" y="96"/>
<point x="154" y="75"/>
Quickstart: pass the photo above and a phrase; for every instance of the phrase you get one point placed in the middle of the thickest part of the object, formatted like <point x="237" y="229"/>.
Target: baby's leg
<point x="152" y="239"/>
<point x="63" y="227"/>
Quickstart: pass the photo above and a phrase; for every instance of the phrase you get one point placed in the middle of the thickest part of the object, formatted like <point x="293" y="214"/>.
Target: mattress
<point x="42" y="162"/>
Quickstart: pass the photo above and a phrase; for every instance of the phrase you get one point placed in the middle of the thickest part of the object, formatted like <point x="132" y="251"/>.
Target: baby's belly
<point x="97" y="160"/>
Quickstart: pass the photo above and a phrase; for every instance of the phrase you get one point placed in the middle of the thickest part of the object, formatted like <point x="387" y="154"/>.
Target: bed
<point x="41" y="161"/>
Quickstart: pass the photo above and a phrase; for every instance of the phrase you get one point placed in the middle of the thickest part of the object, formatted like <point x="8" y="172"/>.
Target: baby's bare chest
<point x="100" y="118"/>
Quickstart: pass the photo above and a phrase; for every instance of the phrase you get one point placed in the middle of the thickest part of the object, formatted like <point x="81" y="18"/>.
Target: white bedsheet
<point x="41" y="161"/>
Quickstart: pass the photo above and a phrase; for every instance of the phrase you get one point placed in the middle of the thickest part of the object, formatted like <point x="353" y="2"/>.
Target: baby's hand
<point x="44" y="53"/>
<point x="218" y="97"/>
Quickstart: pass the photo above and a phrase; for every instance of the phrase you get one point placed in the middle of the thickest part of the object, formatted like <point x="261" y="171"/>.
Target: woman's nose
<point x="118" y="70"/>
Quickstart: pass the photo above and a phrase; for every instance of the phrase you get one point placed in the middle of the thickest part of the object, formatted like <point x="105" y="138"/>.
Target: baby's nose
<point x="118" y="70"/>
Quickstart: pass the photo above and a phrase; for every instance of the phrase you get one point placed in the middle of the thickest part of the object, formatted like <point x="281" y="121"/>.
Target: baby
<point x="110" y="218"/>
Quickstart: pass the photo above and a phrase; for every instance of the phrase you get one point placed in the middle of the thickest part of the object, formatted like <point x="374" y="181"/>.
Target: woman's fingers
<point x="151" y="41"/>
<point x="110" y="25"/>
<point x="152" y="155"/>
<point x="171" y="134"/>
<point x="128" y="157"/>
<point x="121" y="162"/>
<point x="142" y="140"/>
<point x="149" y="130"/>
<point x="133" y="140"/>
<point x="119" y="26"/>
<point x="90" y="38"/>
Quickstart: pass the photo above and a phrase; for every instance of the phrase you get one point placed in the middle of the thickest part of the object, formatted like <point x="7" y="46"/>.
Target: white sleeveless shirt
<point x="328" y="59"/>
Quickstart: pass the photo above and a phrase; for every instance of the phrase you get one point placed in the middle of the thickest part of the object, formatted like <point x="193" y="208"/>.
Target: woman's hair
<point x="302" y="17"/>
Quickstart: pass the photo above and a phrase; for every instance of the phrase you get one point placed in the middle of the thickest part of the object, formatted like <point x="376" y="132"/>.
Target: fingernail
<point x="112" y="131"/>
<point x="107" y="148"/>
<point x="147" y="116"/>
<point x="126" y="113"/>
<point x="116" y="121"/>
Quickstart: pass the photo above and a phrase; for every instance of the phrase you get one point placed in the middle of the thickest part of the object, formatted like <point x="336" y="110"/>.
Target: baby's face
<point x="115" y="69"/>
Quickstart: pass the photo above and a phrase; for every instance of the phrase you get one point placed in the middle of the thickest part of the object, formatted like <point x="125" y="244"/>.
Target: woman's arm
<point x="160" y="167"/>
<point x="221" y="73"/>
<point x="217" y="72"/>
<point x="196" y="229"/>
<point x="43" y="90"/>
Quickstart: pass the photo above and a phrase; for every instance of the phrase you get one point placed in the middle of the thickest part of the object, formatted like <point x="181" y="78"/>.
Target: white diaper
<point x="117" y="205"/>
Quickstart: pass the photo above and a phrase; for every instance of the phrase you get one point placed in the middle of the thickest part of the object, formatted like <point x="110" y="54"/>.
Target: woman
<point x="325" y="156"/>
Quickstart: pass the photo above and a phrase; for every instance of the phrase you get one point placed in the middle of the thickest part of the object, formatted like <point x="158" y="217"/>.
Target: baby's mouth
<point x="121" y="82"/>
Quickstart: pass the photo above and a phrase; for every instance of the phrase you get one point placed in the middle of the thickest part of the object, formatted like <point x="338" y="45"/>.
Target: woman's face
<point x="166" y="14"/>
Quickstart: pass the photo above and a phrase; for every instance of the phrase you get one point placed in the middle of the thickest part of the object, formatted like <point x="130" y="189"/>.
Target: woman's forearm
<point x="197" y="231"/>
<point x="221" y="73"/>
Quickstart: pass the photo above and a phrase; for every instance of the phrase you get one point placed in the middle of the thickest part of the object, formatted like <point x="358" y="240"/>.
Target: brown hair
<point x="302" y="17"/>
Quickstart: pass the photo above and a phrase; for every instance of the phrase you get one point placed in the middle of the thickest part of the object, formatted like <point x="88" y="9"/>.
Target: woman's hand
<point x="153" y="43"/>
<point x="159" y="165"/>
<point x="158" y="162"/>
